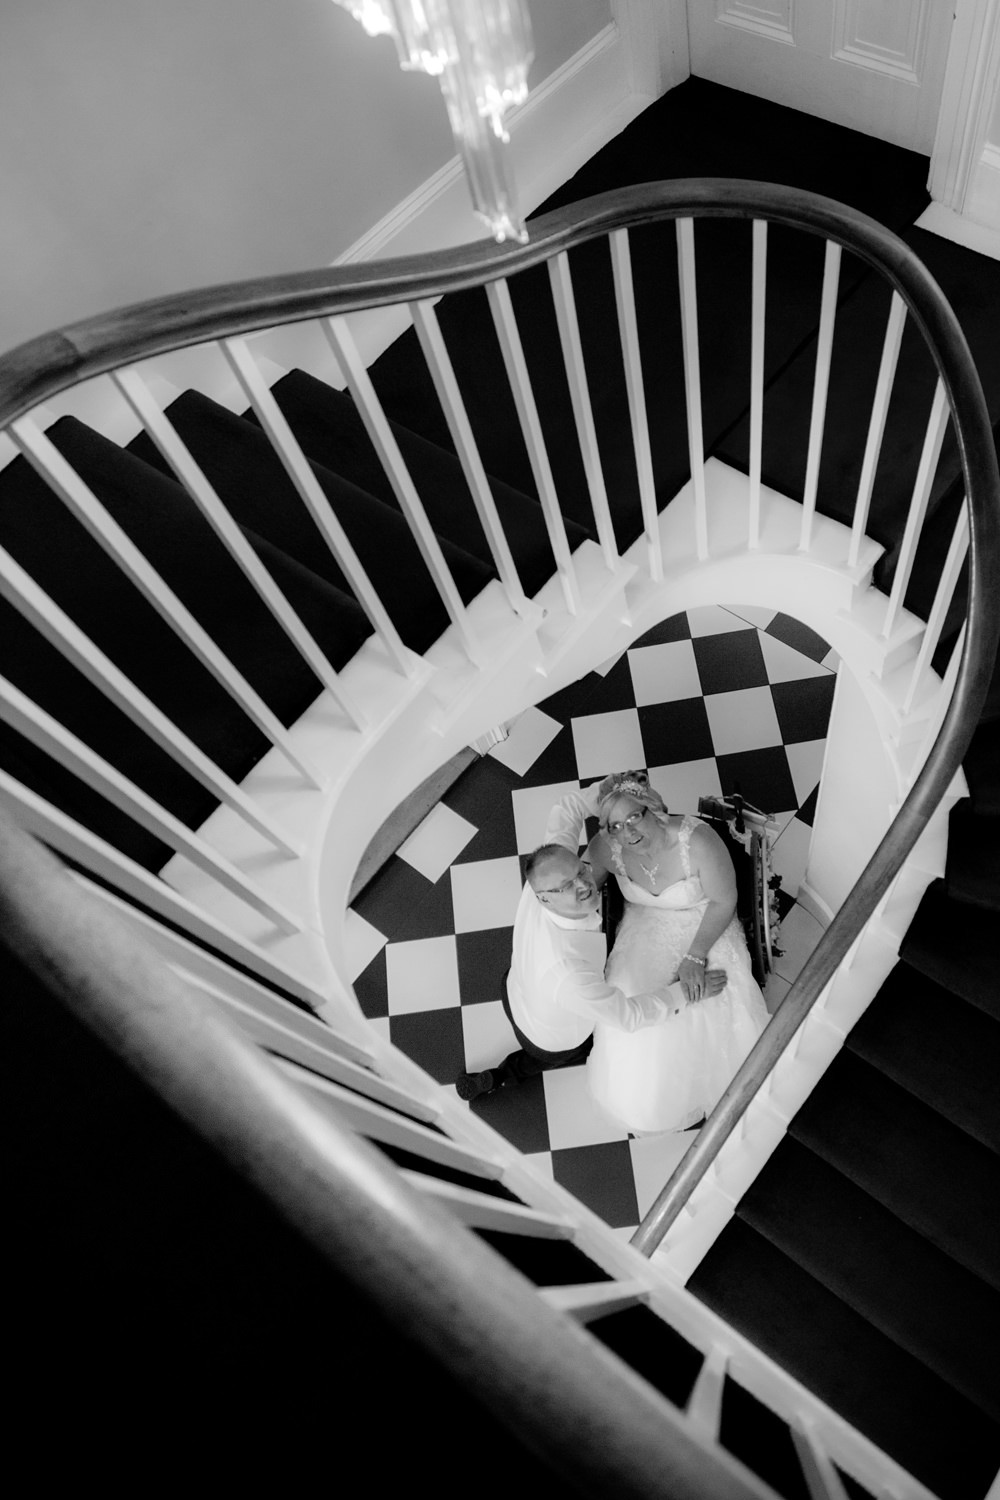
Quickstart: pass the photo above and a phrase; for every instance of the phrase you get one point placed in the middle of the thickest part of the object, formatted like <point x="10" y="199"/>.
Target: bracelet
<point x="702" y="961"/>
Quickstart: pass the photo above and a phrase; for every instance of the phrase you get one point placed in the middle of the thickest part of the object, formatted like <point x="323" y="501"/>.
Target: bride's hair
<point x="629" y="784"/>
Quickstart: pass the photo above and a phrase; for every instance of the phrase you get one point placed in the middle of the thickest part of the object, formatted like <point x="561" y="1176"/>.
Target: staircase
<point x="419" y="620"/>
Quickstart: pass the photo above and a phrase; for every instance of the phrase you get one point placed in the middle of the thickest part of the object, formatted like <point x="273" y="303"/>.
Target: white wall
<point x="151" y="146"/>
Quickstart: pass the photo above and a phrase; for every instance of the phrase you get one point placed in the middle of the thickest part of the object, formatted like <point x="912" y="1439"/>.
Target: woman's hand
<point x="692" y="975"/>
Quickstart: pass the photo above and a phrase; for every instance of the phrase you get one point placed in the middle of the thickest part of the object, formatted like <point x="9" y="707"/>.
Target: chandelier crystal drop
<point x="480" y="51"/>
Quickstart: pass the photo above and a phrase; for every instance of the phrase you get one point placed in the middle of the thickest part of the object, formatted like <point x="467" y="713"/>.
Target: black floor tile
<point x="786" y="628"/>
<point x="803" y="707"/>
<point x="433" y="1039"/>
<point x="518" y="1113"/>
<point x="675" y="732"/>
<point x="372" y="989"/>
<point x="730" y="661"/>
<point x="761" y="777"/>
<point x="483" y="959"/>
<point x="601" y="1177"/>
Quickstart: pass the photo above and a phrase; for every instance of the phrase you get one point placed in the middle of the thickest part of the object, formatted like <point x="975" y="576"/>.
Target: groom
<point x="555" y="991"/>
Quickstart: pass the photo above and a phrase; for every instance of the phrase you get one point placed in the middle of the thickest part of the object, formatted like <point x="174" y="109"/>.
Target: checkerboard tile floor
<point x="711" y="701"/>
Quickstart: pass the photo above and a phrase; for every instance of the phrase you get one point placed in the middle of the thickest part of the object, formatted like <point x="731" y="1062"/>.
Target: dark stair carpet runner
<point x="885" y="1366"/>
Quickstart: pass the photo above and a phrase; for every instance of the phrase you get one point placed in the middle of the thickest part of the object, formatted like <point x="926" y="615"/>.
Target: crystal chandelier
<point x="480" y="50"/>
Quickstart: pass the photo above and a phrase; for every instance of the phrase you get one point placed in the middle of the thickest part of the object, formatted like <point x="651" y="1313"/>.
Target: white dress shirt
<point x="556" y="987"/>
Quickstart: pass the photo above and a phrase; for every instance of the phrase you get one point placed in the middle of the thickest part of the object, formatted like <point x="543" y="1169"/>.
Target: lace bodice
<point x="682" y="893"/>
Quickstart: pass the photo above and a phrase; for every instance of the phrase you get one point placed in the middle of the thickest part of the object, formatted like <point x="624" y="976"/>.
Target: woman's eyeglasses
<point x="628" y="822"/>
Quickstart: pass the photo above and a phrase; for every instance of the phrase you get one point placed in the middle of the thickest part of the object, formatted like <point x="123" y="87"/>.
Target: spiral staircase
<point x="250" y="608"/>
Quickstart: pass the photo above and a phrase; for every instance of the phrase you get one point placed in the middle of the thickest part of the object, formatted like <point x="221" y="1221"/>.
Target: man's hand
<point x="697" y="983"/>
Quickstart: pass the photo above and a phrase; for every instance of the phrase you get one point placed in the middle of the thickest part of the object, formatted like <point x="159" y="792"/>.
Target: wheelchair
<point x="746" y="831"/>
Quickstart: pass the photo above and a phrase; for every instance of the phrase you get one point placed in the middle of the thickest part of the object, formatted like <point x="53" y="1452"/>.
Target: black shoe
<point x="472" y="1085"/>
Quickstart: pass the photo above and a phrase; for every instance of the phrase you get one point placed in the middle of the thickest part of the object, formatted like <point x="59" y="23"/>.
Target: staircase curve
<point x="247" y="618"/>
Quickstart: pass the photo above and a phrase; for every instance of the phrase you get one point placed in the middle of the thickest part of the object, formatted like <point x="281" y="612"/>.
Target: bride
<point x="680" y="919"/>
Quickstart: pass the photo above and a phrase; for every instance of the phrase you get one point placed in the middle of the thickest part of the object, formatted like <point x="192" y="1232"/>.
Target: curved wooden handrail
<point x="41" y="368"/>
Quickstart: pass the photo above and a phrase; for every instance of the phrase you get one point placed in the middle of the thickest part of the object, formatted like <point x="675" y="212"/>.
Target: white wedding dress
<point x="666" y="1077"/>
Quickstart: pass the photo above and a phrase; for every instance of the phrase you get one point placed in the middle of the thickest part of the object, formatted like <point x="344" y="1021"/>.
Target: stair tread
<point x="907" y="1410"/>
<point x="949" y="942"/>
<point x="331" y="432"/>
<point x="246" y="473"/>
<point x="923" y="1037"/>
<point x="915" y="1294"/>
<point x="929" y="1173"/>
<point x="982" y="768"/>
<point x="972" y="873"/>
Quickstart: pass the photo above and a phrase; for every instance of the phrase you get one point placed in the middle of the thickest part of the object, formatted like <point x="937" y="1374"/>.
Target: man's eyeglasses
<point x="628" y="822"/>
<point x="583" y="873"/>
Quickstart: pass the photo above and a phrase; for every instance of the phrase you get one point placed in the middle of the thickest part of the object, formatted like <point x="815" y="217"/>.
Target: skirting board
<point x="578" y="109"/>
<point x="961" y="231"/>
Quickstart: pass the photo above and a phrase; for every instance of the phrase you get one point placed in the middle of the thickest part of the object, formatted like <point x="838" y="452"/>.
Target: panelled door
<point x="873" y="65"/>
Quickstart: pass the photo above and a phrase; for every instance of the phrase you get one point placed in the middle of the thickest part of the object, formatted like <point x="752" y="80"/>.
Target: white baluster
<point x="19" y="589"/>
<point x="483" y="1211"/>
<point x="67" y="484"/>
<point x="205" y="929"/>
<point x="818" y="1469"/>
<point x="758" y="309"/>
<point x="165" y="436"/>
<point x="384" y="442"/>
<point x="934" y="437"/>
<point x="821" y="382"/>
<point x="93" y="770"/>
<point x="704" y="1408"/>
<point x="498" y="297"/>
<point x="876" y="425"/>
<point x="692" y="378"/>
<point x="442" y="374"/>
<point x="576" y="375"/>
<point x="957" y="550"/>
<point x="299" y="471"/>
<point x="589" y="1300"/>
<point x="621" y="265"/>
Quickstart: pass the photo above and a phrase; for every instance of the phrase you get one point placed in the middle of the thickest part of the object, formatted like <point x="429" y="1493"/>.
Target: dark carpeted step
<point x="248" y="477"/>
<point x="951" y="943"/>
<point x="942" y="1314"/>
<point x="653" y="1349"/>
<point x="982" y="769"/>
<point x="703" y="129"/>
<point x="930" y="1174"/>
<point x="909" y="1412"/>
<point x="327" y="424"/>
<point x="68" y="564"/>
<point x="925" y="1039"/>
<point x="972" y="873"/>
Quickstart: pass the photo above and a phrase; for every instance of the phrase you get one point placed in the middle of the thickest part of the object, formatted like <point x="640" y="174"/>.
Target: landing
<point x="711" y="701"/>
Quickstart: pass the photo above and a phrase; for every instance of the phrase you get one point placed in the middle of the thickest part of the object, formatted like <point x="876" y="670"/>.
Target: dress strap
<point x="684" y="833"/>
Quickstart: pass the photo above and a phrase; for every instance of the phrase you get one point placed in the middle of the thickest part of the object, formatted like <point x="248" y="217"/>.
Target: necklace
<point x="649" y="870"/>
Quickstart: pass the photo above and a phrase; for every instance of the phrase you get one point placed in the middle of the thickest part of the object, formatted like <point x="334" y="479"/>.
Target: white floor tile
<point x="605" y="667"/>
<point x="743" y="720"/>
<point x="607" y="742"/>
<point x="361" y="942"/>
<point x="530" y="734"/>
<point x="775" y="988"/>
<point x="681" y="785"/>
<point x="531" y="806"/>
<point x="422" y="974"/>
<point x="654" y="1158"/>
<point x="800" y="932"/>
<point x="485" y="893"/>
<point x="785" y="664"/>
<point x="753" y="614"/>
<point x="805" y="761"/>
<point x="380" y="1025"/>
<point x="831" y="660"/>
<point x="790" y="855"/>
<point x="665" y="673"/>
<point x="488" y="1035"/>
<point x="437" y="842"/>
<point x="712" y="619"/>
<point x="542" y="1163"/>
<point x="574" y="1118"/>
